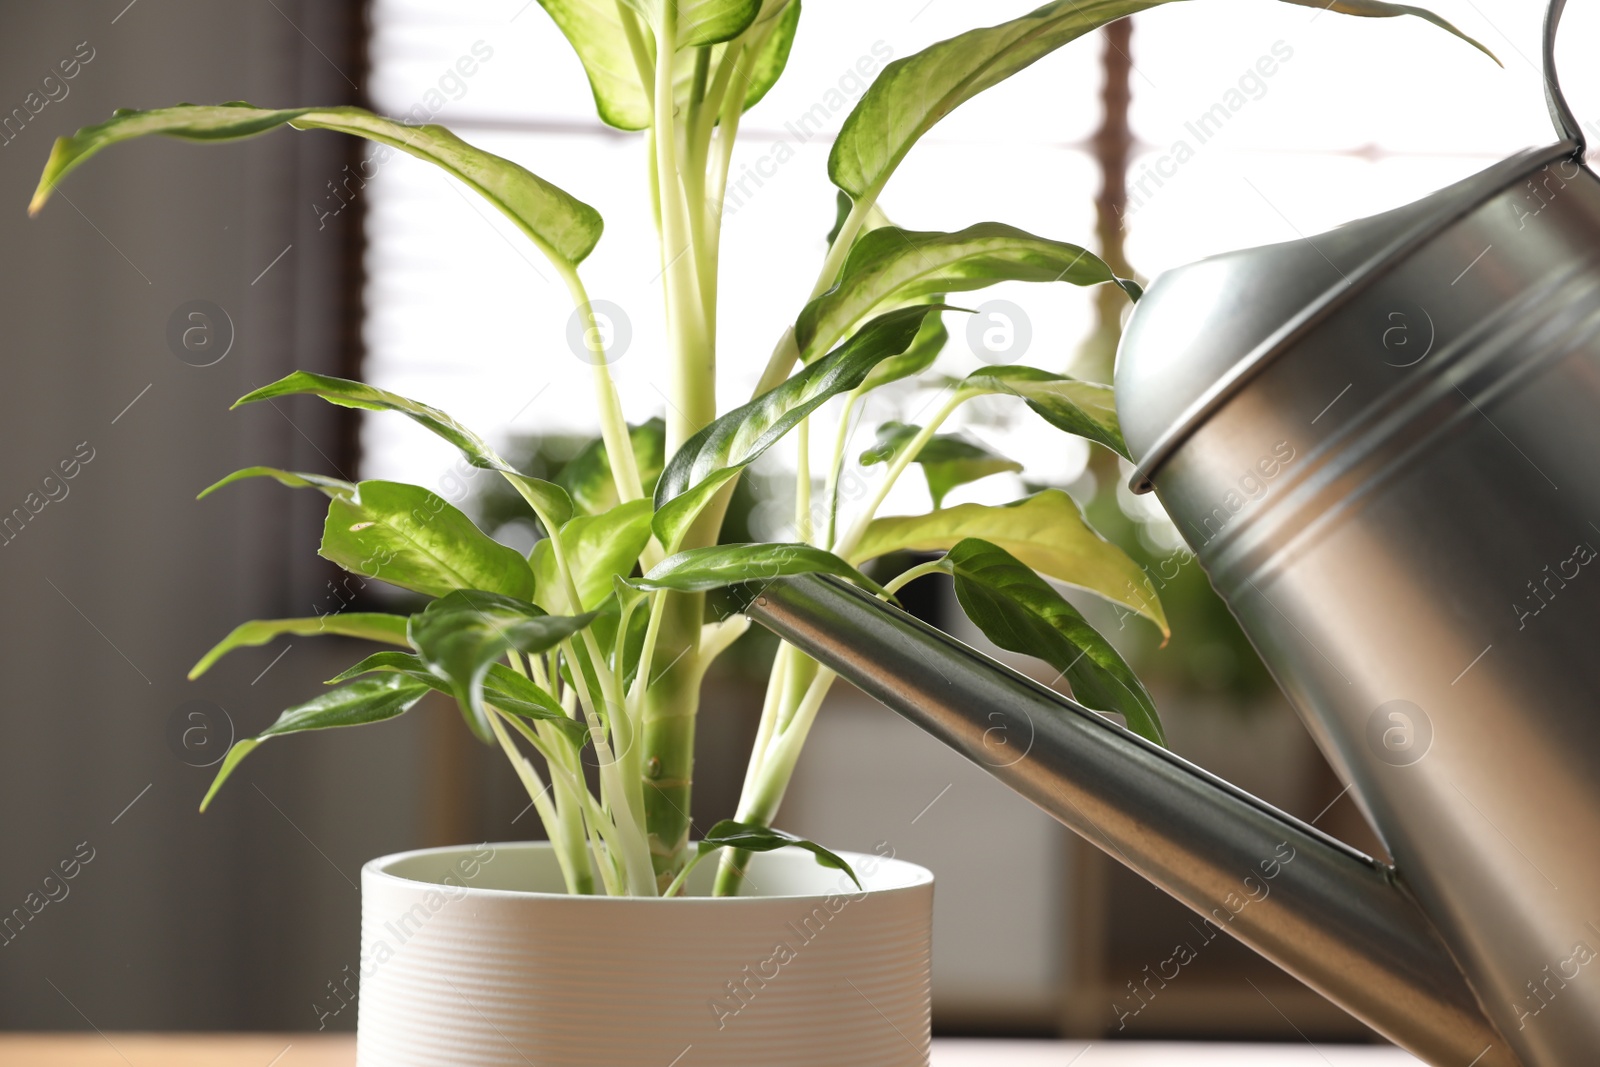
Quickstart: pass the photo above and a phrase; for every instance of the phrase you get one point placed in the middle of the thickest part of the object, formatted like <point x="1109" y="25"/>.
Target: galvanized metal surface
<point x="1324" y="912"/>
<point x="1395" y="489"/>
<point x="1401" y="511"/>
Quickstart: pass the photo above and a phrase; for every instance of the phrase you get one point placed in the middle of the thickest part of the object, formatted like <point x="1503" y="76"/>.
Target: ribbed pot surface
<point x="469" y="958"/>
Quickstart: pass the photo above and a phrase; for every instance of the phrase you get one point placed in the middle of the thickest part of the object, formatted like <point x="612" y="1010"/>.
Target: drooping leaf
<point x="587" y="476"/>
<point x="503" y="688"/>
<point x="330" y="487"/>
<point x="778" y="21"/>
<point x="401" y="662"/>
<point x="352" y="394"/>
<point x="599" y="548"/>
<point x="1082" y="408"/>
<point x="565" y="228"/>
<point x="549" y="501"/>
<point x="948" y="460"/>
<point x="1017" y="610"/>
<point x="716" y="454"/>
<point x="459" y="636"/>
<point x="372" y="626"/>
<point x="748" y="837"/>
<point x="356" y="704"/>
<point x="912" y="94"/>
<point x="918" y="356"/>
<point x="889" y="266"/>
<point x="700" y="569"/>
<point x="407" y="536"/>
<point x="1046" y="531"/>
<point x="1376" y="9"/>
<point x="699" y="22"/>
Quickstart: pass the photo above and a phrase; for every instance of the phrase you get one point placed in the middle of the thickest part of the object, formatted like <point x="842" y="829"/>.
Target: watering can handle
<point x="1560" y="114"/>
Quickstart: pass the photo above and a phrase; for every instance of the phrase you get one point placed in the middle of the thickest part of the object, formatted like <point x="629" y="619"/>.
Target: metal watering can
<point x="1381" y="444"/>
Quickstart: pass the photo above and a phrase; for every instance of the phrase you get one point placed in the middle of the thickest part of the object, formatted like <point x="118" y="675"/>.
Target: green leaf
<point x="1017" y="610"/>
<point x="565" y="228"/>
<point x="716" y="454"/>
<point x="748" y="837"/>
<point x="403" y="662"/>
<point x="599" y="548"/>
<point x="352" y="394"/>
<point x="947" y="460"/>
<point x="890" y="266"/>
<point x="918" y="357"/>
<point x="407" y="536"/>
<point x="356" y="704"/>
<point x="373" y="626"/>
<point x="1045" y="531"/>
<point x="503" y="688"/>
<point x="1082" y="408"/>
<point x="460" y="635"/>
<point x="594" y="29"/>
<point x="330" y="487"/>
<point x="549" y="501"/>
<point x="914" y="93"/>
<point x="702" y="569"/>
<point x="772" y="55"/>
<point x="587" y="476"/>
<point x="700" y="22"/>
<point x="1375" y="9"/>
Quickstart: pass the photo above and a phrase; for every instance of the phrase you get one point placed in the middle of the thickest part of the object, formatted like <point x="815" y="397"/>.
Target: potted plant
<point x="611" y="942"/>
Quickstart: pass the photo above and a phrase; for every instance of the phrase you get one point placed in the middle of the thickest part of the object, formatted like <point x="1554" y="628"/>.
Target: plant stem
<point x="671" y="699"/>
<point x="802" y="481"/>
<point x="787" y="351"/>
<point x="613" y="427"/>
<point x="847" y="544"/>
<point x="779" y="765"/>
<point x="859" y="210"/>
<point x="537" y="793"/>
<point x="830" y="490"/>
<point x="692" y="365"/>
<point x="798" y="683"/>
<point x="569" y="791"/>
<point x="715" y="183"/>
<point x="683" y="876"/>
<point x="615" y="790"/>
<point x="643" y="63"/>
<point x="770" y="711"/>
<point x="763" y="795"/>
<point x="671" y="694"/>
<point x="905" y="578"/>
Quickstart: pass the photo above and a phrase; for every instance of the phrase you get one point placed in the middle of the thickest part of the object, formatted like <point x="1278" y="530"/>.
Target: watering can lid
<point x="1202" y="330"/>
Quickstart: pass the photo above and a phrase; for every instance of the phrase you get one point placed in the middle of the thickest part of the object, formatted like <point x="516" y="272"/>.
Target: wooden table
<point x="322" y="1050"/>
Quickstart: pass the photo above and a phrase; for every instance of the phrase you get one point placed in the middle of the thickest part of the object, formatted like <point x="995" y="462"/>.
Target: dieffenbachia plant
<point x="600" y="637"/>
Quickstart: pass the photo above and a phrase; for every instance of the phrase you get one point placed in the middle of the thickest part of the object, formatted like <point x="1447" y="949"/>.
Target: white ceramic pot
<point x="474" y="956"/>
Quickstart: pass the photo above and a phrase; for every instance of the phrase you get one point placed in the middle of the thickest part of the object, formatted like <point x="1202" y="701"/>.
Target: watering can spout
<point x="1329" y="915"/>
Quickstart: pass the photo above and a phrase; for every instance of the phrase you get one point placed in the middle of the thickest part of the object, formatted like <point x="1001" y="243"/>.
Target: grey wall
<point x="238" y="917"/>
